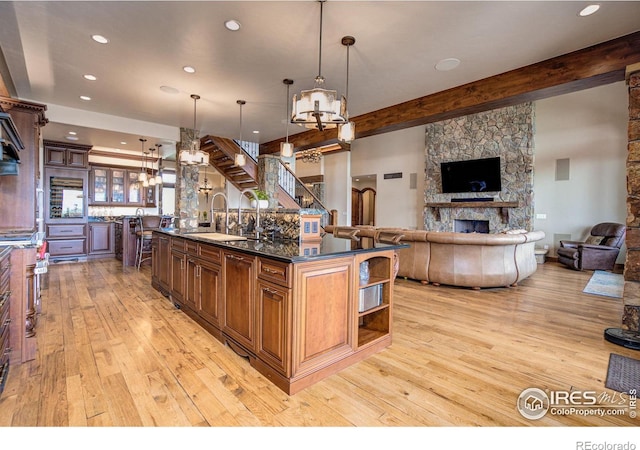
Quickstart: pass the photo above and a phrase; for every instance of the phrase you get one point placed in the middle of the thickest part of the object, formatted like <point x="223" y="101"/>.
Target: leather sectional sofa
<point x="475" y="260"/>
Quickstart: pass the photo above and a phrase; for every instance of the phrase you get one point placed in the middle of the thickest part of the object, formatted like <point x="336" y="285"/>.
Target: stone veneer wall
<point x="186" y="186"/>
<point x="631" y="312"/>
<point x="284" y="222"/>
<point x="506" y="132"/>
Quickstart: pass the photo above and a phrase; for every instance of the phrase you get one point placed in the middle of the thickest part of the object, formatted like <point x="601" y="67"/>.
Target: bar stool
<point x="144" y="231"/>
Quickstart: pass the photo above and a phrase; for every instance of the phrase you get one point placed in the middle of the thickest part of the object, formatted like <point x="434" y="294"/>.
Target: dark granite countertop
<point x="286" y="249"/>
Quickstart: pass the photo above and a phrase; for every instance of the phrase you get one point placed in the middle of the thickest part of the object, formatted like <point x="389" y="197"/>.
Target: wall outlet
<point x="546" y="246"/>
<point x="541" y="216"/>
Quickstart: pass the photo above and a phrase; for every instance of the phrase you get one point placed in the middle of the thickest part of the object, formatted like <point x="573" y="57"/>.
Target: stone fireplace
<point x="507" y="133"/>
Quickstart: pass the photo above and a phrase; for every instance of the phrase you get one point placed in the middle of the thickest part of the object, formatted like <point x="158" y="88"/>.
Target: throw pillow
<point x="594" y="240"/>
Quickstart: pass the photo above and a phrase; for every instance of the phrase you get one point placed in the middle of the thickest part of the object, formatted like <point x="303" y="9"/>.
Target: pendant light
<point x="240" y="159"/>
<point x="319" y="108"/>
<point x="152" y="178"/>
<point x="205" y="188"/>
<point x="142" y="176"/>
<point x="194" y="156"/>
<point x="347" y="131"/>
<point x="286" y="148"/>
<point x="158" y="176"/>
<point x="145" y="182"/>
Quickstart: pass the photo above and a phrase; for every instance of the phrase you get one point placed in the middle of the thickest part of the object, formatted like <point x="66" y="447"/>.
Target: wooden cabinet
<point x="60" y="154"/>
<point x="23" y="305"/>
<point x="177" y="264"/>
<point x="119" y="186"/>
<point x="18" y="193"/>
<point x="160" y="263"/>
<point x="101" y="239"/>
<point x="239" y="284"/>
<point x="296" y="322"/>
<point x="273" y="305"/>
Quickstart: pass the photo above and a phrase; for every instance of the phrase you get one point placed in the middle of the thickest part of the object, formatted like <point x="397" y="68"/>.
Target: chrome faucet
<point x="255" y="196"/>
<point x="226" y="210"/>
<point x="139" y="212"/>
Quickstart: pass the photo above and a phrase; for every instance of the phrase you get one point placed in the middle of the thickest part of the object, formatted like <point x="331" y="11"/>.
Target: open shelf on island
<point x="374" y="297"/>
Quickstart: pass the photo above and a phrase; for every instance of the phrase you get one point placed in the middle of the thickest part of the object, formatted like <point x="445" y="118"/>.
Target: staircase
<point x="222" y="153"/>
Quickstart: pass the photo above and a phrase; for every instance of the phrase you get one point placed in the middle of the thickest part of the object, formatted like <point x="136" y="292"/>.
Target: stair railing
<point x="303" y="196"/>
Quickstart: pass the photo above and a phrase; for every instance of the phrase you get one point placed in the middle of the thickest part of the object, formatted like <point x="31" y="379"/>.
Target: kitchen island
<point x="298" y="311"/>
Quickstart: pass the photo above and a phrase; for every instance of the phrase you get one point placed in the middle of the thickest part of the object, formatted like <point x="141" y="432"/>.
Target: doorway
<point x="363" y="200"/>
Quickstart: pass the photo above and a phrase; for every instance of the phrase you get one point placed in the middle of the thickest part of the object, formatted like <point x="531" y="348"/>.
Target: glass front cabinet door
<point x="133" y="188"/>
<point x="100" y="185"/>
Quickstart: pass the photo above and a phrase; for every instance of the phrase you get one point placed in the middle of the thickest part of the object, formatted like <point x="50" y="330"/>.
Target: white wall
<point x="398" y="151"/>
<point x="590" y="129"/>
<point x="337" y="185"/>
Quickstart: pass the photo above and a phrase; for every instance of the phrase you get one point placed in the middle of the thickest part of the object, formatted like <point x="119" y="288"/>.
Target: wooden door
<point x="274" y="326"/>
<point x="100" y="238"/>
<point x="164" y="265"/>
<point x="239" y="294"/>
<point x="177" y="276"/>
<point x="191" y="284"/>
<point x="210" y="292"/>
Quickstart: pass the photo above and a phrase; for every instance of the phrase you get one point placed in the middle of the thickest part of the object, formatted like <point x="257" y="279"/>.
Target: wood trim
<point x="73" y="146"/>
<point x="590" y="67"/>
<point x="312" y="179"/>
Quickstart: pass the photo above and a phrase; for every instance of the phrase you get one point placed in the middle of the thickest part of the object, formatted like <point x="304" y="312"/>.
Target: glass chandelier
<point x="194" y="156"/>
<point x="312" y="156"/>
<point x="319" y="108"/>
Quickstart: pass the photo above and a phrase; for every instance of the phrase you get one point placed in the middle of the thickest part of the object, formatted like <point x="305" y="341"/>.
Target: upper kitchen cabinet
<point x="60" y="154"/>
<point x="118" y="186"/>
<point x="18" y="194"/>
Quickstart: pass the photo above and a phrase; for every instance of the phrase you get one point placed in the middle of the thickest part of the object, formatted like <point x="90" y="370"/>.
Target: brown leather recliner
<point x="598" y="252"/>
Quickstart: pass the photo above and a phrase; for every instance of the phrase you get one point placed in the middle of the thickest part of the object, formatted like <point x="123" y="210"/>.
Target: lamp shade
<point x="240" y="159"/>
<point x="347" y="132"/>
<point x="286" y="149"/>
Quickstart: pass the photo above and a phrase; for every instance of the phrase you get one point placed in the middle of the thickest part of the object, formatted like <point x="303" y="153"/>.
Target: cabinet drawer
<point x="67" y="247"/>
<point x="209" y="253"/>
<point x="178" y="244"/>
<point x="56" y="231"/>
<point x="275" y="271"/>
<point x="191" y="247"/>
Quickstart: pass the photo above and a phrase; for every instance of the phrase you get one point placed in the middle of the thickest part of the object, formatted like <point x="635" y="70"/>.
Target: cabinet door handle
<point x="7" y="322"/>
<point x="238" y="258"/>
<point x="269" y="291"/>
<point x="266" y="269"/>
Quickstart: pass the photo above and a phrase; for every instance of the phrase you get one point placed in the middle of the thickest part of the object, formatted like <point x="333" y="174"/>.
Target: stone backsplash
<point x="505" y="132"/>
<point x="283" y="223"/>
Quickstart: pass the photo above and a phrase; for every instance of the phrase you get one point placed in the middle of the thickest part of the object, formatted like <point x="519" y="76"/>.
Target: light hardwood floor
<point x="112" y="351"/>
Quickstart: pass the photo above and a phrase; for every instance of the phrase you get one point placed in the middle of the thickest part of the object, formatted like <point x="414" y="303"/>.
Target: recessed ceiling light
<point x="100" y="39"/>
<point x="85" y="98"/>
<point x="588" y="10"/>
<point x="123" y="143"/>
<point x="72" y="138"/>
<point x="447" y="64"/>
<point x="256" y="132"/>
<point x="232" y="25"/>
<point x="189" y="69"/>
<point x="169" y="89"/>
<point x="90" y="77"/>
<point x="72" y="133"/>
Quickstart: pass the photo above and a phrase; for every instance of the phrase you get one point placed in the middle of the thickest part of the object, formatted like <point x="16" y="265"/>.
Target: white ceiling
<point x="47" y="48"/>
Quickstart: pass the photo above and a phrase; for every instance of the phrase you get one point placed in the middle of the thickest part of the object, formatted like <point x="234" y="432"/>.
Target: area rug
<point x="623" y="374"/>
<point x="605" y="283"/>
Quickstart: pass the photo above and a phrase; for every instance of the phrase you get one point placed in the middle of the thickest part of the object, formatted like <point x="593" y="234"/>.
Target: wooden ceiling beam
<point x="583" y="69"/>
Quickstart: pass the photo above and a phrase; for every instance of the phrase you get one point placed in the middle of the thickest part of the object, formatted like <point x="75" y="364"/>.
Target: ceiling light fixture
<point x="447" y="64"/>
<point x="189" y="69"/>
<point x="319" y="108"/>
<point x="205" y="188"/>
<point x="311" y="156"/>
<point x="347" y="131"/>
<point x="85" y="98"/>
<point x="90" y="77"/>
<point x="240" y="159"/>
<point x="100" y="39"/>
<point x="286" y="148"/>
<point x="194" y="156"/>
<point x="158" y="176"/>
<point x="588" y="10"/>
<point x="169" y="90"/>
<point x="142" y="176"/>
<point x="232" y="25"/>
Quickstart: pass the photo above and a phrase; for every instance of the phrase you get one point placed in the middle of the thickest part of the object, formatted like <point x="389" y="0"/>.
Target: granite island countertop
<point x="287" y="250"/>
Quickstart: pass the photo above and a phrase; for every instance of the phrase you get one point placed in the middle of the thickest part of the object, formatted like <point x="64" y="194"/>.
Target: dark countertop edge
<point x="289" y="259"/>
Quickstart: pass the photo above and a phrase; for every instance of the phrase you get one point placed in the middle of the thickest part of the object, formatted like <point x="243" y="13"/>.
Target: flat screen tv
<point x="474" y="175"/>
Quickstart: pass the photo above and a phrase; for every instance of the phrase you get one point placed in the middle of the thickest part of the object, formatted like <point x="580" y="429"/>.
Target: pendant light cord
<point x="320" y="42"/>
